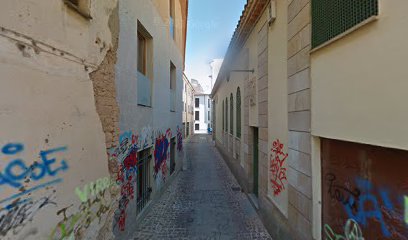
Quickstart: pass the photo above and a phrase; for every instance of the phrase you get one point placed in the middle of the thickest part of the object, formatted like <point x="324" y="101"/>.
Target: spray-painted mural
<point x="277" y="169"/>
<point x="162" y="155"/>
<point x="352" y="231"/>
<point x="366" y="186"/>
<point x="24" y="177"/>
<point x="94" y="198"/>
<point x="126" y="158"/>
<point x="95" y="203"/>
<point x="17" y="173"/>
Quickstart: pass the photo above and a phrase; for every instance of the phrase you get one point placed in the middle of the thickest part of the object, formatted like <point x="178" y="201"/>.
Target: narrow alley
<point x="203" y="202"/>
<point x="203" y="119"/>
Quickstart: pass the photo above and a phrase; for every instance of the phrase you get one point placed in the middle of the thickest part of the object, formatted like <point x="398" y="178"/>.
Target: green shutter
<point x="226" y="114"/>
<point x="238" y="113"/>
<point x="331" y="18"/>
<point x="223" y="116"/>
<point x="232" y="114"/>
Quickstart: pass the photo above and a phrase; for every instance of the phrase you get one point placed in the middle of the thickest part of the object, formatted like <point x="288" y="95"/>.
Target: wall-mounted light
<point x="272" y="12"/>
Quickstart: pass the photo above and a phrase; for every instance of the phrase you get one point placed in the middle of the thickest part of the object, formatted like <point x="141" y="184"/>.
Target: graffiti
<point x="343" y="194"/>
<point x="406" y="209"/>
<point x="179" y="140"/>
<point x="162" y="154"/>
<point x="16" y="173"/>
<point x="368" y="206"/>
<point x="93" y="189"/>
<point x="124" y="160"/>
<point x="16" y="215"/>
<point x="127" y="172"/>
<point x="278" y="172"/>
<point x="88" y="212"/>
<point x="352" y="231"/>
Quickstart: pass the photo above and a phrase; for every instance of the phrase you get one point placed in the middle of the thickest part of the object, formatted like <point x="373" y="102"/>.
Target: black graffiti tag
<point x="343" y="194"/>
<point x="15" y="217"/>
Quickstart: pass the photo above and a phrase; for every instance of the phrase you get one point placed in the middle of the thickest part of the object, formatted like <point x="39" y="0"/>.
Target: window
<point x="232" y="114"/>
<point x="197" y="115"/>
<point x="82" y="7"/>
<point x="172" y="20"/>
<point x="141" y="53"/>
<point x="209" y="116"/>
<point x="144" y="66"/>
<point x="226" y="114"/>
<point x="209" y="103"/>
<point x="331" y="18"/>
<point x="173" y="77"/>
<point x="238" y="113"/>
<point x="197" y="127"/>
<point x="197" y="102"/>
<point x="144" y="188"/>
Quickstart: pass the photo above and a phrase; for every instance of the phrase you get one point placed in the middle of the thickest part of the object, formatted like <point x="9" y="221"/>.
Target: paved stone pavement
<point x="201" y="203"/>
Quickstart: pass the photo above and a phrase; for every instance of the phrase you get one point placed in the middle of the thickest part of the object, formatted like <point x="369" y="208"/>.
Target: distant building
<point x="202" y="109"/>
<point x="188" y="107"/>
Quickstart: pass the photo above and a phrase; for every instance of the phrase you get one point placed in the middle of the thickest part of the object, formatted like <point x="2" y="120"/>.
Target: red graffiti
<point x="122" y="220"/>
<point x="130" y="161"/>
<point x="278" y="172"/>
<point x="120" y="178"/>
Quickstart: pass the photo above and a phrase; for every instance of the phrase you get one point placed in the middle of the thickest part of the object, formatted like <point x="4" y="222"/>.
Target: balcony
<point x="144" y="90"/>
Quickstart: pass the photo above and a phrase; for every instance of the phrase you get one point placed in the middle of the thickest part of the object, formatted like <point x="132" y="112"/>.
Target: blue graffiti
<point x="362" y="214"/>
<point x="12" y="148"/>
<point x="16" y="171"/>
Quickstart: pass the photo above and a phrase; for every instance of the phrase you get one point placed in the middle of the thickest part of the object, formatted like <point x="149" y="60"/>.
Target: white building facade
<point x="202" y="113"/>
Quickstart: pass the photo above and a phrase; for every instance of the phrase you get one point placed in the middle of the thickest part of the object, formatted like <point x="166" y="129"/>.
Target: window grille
<point x="143" y="179"/>
<point x="330" y="18"/>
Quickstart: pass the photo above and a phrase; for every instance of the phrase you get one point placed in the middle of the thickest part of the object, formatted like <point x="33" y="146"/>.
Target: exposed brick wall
<point x="108" y="109"/>
<point x="299" y="105"/>
<point x="104" y="88"/>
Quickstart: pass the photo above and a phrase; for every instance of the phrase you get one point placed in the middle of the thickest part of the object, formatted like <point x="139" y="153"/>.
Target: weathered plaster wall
<point x="54" y="171"/>
<point x="69" y="166"/>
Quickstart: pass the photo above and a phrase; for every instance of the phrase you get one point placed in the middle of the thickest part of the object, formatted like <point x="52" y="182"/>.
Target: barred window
<point x="330" y="18"/>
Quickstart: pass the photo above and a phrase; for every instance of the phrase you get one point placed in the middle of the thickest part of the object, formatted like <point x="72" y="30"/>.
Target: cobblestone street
<point x="201" y="202"/>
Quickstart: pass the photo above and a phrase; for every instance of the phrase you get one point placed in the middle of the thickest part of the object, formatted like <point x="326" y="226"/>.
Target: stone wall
<point x="299" y="173"/>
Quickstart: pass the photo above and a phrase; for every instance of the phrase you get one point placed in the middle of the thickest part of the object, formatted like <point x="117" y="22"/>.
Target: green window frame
<point x="232" y="114"/>
<point x="226" y="114"/>
<point x="331" y="18"/>
<point x="223" y="116"/>
<point x="238" y="112"/>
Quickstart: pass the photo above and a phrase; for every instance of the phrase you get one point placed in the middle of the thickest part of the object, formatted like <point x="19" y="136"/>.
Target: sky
<point x="211" y="24"/>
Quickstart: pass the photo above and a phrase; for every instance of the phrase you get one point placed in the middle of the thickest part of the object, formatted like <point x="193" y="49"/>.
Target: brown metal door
<point x="364" y="191"/>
